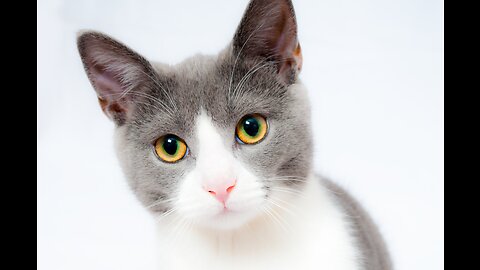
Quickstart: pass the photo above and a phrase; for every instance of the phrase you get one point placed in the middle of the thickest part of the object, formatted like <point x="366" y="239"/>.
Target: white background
<point x="375" y="77"/>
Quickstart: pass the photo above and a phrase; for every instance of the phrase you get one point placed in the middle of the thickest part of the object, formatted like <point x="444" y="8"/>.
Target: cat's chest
<point x="315" y="237"/>
<point x="306" y="255"/>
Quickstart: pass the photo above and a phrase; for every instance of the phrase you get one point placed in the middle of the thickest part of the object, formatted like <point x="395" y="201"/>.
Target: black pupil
<point x="251" y="126"/>
<point x="170" y="145"/>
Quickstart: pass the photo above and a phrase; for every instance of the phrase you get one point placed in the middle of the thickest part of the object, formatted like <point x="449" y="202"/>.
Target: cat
<point x="219" y="150"/>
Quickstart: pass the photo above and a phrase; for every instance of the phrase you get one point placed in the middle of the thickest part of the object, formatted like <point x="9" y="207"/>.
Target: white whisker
<point x="273" y="201"/>
<point x="158" y="202"/>
<point x="274" y="215"/>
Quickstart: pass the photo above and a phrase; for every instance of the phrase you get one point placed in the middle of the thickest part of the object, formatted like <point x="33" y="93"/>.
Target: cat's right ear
<point x="116" y="72"/>
<point x="268" y="31"/>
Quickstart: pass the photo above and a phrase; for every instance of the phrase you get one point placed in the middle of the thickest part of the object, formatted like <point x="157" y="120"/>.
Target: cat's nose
<point x="220" y="189"/>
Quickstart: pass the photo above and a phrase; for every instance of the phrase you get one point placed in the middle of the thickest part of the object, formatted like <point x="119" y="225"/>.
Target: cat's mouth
<point x="227" y="217"/>
<point x="226" y="211"/>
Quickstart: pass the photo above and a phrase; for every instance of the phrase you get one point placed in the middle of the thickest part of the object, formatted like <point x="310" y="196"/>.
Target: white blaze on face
<point x="220" y="192"/>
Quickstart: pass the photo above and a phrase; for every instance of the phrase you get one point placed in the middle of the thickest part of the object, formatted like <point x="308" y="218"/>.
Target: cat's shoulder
<point x="368" y="238"/>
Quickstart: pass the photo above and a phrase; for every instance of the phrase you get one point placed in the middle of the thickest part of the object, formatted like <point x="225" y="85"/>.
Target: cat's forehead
<point x="197" y="66"/>
<point x="218" y="86"/>
<point x="222" y="83"/>
<point x="194" y="85"/>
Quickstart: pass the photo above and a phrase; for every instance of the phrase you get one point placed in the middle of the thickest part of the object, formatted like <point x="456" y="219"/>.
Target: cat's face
<point x="214" y="140"/>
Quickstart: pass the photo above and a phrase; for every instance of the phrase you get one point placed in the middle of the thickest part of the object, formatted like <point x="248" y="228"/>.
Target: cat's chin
<point x="228" y="220"/>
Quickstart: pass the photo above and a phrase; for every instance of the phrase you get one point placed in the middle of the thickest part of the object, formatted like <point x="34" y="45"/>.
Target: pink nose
<point x="220" y="189"/>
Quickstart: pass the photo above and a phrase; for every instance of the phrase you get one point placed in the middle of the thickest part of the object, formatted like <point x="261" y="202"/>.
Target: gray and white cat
<point x="219" y="148"/>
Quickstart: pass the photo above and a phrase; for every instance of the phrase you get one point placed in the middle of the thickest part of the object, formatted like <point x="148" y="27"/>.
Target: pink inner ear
<point x="110" y="92"/>
<point x="287" y="47"/>
<point x="107" y="86"/>
<point x="284" y="38"/>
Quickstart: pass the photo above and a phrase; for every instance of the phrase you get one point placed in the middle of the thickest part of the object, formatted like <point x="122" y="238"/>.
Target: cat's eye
<point x="251" y="129"/>
<point x="170" y="148"/>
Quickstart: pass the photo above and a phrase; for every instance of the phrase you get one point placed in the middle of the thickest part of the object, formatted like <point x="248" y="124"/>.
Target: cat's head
<point x="212" y="140"/>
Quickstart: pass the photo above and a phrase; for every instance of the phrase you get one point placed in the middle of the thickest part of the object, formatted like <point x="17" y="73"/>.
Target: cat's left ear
<point x="268" y="32"/>
<point x="117" y="73"/>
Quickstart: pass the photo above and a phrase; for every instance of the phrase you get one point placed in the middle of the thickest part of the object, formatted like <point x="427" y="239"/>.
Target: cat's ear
<point x="116" y="72"/>
<point x="268" y="31"/>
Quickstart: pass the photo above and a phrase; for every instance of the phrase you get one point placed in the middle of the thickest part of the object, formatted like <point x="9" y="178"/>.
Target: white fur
<point x="289" y="231"/>
<point x="216" y="162"/>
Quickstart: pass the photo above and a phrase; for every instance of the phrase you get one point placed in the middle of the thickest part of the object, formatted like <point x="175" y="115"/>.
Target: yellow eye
<point x="251" y="129"/>
<point x="170" y="148"/>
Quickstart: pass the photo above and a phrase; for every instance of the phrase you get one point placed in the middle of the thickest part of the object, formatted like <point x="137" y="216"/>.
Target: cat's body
<point x="219" y="149"/>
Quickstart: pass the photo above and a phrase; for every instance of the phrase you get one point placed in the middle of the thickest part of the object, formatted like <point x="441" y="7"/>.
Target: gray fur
<point x="374" y="252"/>
<point x="245" y="78"/>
